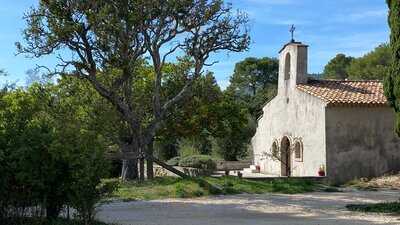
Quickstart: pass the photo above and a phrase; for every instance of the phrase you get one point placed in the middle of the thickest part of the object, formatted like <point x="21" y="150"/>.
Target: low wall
<point x="233" y="165"/>
<point x="314" y="179"/>
<point x="193" y="172"/>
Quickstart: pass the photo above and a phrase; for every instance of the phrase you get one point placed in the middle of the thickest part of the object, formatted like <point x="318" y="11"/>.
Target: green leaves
<point x="392" y="79"/>
<point x="372" y="66"/>
<point x="254" y="82"/>
<point x="47" y="144"/>
<point x="337" y="67"/>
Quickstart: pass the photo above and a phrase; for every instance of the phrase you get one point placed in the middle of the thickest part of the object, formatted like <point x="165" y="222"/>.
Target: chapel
<point x="341" y="129"/>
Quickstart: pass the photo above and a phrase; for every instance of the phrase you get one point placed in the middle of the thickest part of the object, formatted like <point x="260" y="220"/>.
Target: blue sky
<point x="353" y="27"/>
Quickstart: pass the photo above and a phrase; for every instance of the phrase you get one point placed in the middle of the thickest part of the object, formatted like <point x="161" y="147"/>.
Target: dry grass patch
<point x="391" y="181"/>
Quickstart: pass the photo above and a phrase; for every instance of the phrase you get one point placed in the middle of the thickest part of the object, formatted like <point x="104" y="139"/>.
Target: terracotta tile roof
<point x="344" y="92"/>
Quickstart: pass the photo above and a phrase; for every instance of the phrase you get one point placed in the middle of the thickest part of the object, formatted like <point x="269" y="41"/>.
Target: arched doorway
<point x="285" y="157"/>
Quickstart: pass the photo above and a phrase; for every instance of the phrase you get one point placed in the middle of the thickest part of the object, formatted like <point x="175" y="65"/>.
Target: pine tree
<point x="392" y="81"/>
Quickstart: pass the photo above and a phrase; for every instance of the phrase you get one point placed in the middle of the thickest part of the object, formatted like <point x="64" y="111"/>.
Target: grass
<point x="386" y="207"/>
<point x="43" y="221"/>
<point x="171" y="187"/>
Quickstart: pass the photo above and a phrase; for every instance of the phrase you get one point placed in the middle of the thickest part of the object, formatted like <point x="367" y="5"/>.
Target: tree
<point x="392" y="79"/>
<point x="109" y="39"/>
<point x="236" y="127"/>
<point x="254" y="82"/>
<point x="196" y="119"/>
<point x="337" y="67"/>
<point x="45" y="147"/>
<point x="373" y="65"/>
<point x="253" y="74"/>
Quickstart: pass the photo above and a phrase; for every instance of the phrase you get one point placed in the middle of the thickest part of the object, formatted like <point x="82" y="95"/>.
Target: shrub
<point x="174" y="161"/>
<point x="187" y="147"/>
<point x="87" y="189"/>
<point x="49" y="159"/>
<point x="198" y="161"/>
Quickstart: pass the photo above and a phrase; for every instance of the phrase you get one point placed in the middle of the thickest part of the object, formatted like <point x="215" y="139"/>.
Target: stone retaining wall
<point x="193" y="172"/>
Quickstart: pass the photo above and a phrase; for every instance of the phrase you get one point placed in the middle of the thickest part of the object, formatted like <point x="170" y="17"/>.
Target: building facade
<point x="343" y="128"/>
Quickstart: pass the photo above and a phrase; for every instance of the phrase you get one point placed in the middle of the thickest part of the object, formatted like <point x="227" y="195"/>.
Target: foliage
<point x="337" y="67"/>
<point x="195" y="121"/>
<point x="188" y="147"/>
<point x="87" y="191"/>
<point x="174" y="161"/>
<point x="236" y="129"/>
<point x="198" y="161"/>
<point x="252" y="74"/>
<point x="172" y="187"/>
<point x="254" y="82"/>
<point x="392" y="80"/>
<point x="43" y="221"/>
<point x="47" y="153"/>
<point x="372" y="66"/>
<point x="109" y="40"/>
<point x="385" y="207"/>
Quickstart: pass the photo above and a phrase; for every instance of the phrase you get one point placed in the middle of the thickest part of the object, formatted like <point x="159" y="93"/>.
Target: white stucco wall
<point x="303" y="118"/>
<point x="294" y="114"/>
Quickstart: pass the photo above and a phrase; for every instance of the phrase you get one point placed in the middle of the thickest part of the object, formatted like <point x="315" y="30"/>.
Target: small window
<point x="287" y="66"/>
<point x="298" y="151"/>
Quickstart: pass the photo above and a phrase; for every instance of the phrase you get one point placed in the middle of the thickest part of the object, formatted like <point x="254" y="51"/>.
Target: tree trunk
<point x="149" y="161"/>
<point x="129" y="169"/>
<point x="141" y="169"/>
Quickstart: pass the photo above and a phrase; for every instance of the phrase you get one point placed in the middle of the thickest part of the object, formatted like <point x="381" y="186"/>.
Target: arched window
<point x="298" y="151"/>
<point x="287" y="66"/>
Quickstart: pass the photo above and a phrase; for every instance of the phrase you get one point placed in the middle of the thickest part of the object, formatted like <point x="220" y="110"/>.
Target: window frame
<point x="301" y="151"/>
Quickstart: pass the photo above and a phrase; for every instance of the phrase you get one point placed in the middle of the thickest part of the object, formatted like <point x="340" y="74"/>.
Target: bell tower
<point x="292" y="66"/>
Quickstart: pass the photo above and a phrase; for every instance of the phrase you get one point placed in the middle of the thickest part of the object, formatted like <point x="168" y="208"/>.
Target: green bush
<point x="188" y="147"/>
<point x="43" y="221"/>
<point x="198" y="161"/>
<point x="49" y="159"/>
<point x="88" y="190"/>
<point x="174" y="161"/>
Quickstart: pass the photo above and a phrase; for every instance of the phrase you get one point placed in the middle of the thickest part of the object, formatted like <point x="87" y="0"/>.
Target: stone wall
<point x="193" y="172"/>
<point x="361" y="142"/>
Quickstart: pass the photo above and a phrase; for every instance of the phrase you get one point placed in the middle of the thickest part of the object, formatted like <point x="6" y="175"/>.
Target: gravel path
<point x="317" y="208"/>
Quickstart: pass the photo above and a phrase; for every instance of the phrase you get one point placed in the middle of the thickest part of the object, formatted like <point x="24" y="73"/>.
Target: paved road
<point x="317" y="208"/>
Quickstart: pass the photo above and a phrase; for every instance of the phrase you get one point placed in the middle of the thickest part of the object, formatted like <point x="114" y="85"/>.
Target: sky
<point x="329" y="27"/>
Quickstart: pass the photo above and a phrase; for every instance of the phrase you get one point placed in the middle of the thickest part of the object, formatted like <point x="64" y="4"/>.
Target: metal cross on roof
<point x="292" y="29"/>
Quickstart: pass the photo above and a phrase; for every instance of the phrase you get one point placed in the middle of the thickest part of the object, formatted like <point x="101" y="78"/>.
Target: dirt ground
<point x="317" y="208"/>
